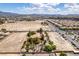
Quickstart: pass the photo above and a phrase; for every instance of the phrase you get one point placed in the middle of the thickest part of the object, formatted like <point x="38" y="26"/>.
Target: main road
<point x="56" y="29"/>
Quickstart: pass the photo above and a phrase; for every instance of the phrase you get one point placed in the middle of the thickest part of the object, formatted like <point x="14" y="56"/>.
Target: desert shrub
<point x="46" y="33"/>
<point x="69" y="28"/>
<point x="77" y="39"/>
<point x="30" y="40"/>
<point x="32" y="46"/>
<point x="45" y="42"/>
<point x="44" y="23"/>
<point x="23" y="45"/>
<point x="3" y="30"/>
<point x="40" y="30"/>
<point x="36" y="40"/>
<point x="23" y="54"/>
<point x="30" y="33"/>
<point x="53" y="47"/>
<point x="27" y="44"/>
<point x="50" y="42"/>
<point x="71" y="33"/>
<point x="42" y="37"/>
<point x="1" y="21"/>
<point x="62" y="54"/>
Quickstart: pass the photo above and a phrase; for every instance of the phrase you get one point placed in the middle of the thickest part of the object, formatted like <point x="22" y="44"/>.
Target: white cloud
<point x="71" y="9"/>
<point x="42" y="8"/>
<point x="46" y="8"/>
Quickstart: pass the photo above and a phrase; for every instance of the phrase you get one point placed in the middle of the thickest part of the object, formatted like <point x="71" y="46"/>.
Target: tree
<point x="30" y="40"/>
<point x="1" y="21"/>
<point x="30" y="33"/>
<point x="53" y="47"/>
<point x="48" y="48"/>
<point x="40" y="30"/>
<point x="36" y="40"/>
<point x="44" y="23"/>
<point x="50" y="42"/>
<point x="23" y="45"/>
<point x="27" y="46"/>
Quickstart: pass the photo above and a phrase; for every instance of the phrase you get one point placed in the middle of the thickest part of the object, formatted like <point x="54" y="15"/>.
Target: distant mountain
<point x="7" y="14"/>
<point x="53" y="14"/>
<point x="15" y="14"/>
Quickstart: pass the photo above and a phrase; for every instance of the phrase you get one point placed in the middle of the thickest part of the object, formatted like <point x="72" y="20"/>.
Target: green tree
<point x="48" y="48"/>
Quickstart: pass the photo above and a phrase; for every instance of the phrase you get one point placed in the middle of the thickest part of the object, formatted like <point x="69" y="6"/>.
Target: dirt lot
<point x="12" y="43"/>
<point x="24" y="26"/>
<point x="60" y="42"/>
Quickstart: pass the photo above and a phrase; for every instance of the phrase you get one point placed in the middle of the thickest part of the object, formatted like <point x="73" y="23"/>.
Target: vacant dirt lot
<point x="24" y="26"/>
<point x="12" y="43"/>
<point x="60" y="42"/>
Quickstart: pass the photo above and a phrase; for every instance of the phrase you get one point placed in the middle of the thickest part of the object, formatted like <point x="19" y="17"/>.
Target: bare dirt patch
<point x="23" y="26"/>
<point x="60" y="42"/>
<point x="13" y="42"/>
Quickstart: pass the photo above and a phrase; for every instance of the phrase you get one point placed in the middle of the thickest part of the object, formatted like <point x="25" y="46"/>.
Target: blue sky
<point x="40" y="8"/>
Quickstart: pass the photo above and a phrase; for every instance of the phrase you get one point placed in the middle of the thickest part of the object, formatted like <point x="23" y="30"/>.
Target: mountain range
<point x="15" y="14"/>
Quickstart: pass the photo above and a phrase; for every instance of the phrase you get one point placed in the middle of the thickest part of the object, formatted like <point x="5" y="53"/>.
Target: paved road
<point x="56" y="29"/>
<point x="72" y="41"/>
